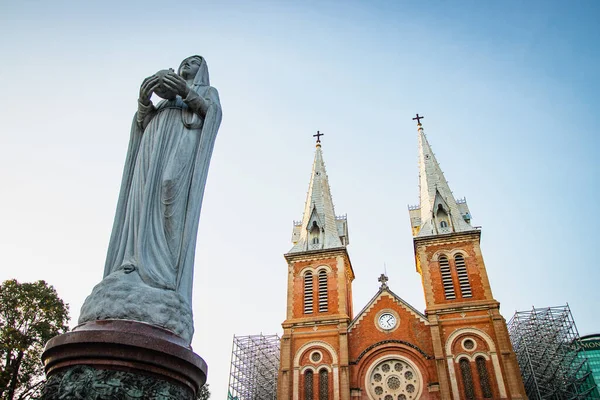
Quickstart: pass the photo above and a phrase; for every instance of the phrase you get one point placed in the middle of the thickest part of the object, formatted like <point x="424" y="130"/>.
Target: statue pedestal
<point x="121" y="359"/>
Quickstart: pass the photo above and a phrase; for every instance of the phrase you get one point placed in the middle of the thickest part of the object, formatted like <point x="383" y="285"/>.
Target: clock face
<point x="387" y="321"/>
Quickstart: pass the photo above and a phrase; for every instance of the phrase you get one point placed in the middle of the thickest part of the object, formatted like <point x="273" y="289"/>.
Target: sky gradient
<point x="509" y="91"/>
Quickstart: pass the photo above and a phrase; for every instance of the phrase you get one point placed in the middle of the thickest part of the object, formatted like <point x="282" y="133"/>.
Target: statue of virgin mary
<point x="150" y="262"/>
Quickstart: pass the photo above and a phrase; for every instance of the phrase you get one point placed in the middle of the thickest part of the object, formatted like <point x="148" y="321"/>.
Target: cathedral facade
<point x="458" y="348"/>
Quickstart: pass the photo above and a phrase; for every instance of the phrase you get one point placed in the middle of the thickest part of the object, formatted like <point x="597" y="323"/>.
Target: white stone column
<point x="336" y="383"/>
<point x="498" y="373"/>
<point x="453" y="383"/>
<point x="296" y="386"/>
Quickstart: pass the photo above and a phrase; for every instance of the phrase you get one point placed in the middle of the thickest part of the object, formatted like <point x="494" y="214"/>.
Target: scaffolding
<point x="545" y="341"/>
<point x="254" y="367"/>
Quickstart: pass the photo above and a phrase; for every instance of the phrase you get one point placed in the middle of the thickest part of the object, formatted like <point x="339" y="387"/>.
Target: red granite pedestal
<point x="122" y="359"/>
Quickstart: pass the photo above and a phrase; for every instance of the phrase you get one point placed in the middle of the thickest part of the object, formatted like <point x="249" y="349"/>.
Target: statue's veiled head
<point x="194" y="67"/>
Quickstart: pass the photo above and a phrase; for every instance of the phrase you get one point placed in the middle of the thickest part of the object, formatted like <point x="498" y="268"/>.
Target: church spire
<point x="319" y="229"/>
<point x="439" y="212"/>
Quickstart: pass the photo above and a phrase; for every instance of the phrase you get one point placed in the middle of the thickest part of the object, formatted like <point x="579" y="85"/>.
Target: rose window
<point x="315" y="357"/>
<point x="393" y="382"/>
<point x="469" y="344"/>
<point x="394" y="379"/>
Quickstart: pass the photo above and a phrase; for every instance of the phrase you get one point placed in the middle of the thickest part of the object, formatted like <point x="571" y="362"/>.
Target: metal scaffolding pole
<point x="254" y="367"/>
<point x="546" y="343"/>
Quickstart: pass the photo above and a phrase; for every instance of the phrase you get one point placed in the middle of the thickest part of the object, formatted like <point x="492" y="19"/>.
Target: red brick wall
<point x="473" y="270"/>
<point x="332" y="288"/>
<point x="410" y="329"/>
<point x="480" y="311"/>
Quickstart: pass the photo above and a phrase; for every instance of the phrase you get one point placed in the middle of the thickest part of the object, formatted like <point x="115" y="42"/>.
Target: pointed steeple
<point x="319" y="229"/>
<point x="439" y="212"/>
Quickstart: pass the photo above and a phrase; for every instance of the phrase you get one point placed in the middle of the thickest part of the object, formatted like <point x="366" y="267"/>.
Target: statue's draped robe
<point x="156" y="223"/>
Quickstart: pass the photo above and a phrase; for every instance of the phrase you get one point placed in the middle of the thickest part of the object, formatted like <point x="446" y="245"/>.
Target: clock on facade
<point x="387" y="321"/>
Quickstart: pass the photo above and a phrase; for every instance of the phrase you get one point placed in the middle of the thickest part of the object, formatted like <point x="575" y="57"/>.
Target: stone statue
<point x="149" y="266"/>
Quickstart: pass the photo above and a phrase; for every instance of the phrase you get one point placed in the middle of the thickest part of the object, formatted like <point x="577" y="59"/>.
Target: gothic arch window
<point x="314" y="229"/>
<point x="447" y="278"/>
<point x="467" y="379"/>
<point x="308" y="292"/>
<point x="463" y="277"/>
<point x="314" y="232"/>
<point x="484" y="378"/>
<point x="443" y="224"/>
<point x="323" y="384"/>
<point x="323" y="291"/>
<point x="308" y="385"/>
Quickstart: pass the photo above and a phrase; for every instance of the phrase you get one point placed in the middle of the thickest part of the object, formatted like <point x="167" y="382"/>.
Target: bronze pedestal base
<point x="121" y="360"/>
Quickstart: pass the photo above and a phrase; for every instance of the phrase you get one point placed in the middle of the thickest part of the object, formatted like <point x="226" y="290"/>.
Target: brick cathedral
<point x="458" y="348"/>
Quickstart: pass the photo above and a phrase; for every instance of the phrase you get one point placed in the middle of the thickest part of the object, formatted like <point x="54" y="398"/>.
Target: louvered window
<point x="467" y="379"/>
<point x="447" y="278"/>
<point x="484" y="379"/>
<point x="463" y="277"/>
<point x="308" y="293"/>
<point x="323" y="385"/>
<point x="323" y="291"/>
<point x="308" y="385"/>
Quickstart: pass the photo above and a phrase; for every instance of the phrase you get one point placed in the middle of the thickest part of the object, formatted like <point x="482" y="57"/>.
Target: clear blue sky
<point x="509" y="90"/>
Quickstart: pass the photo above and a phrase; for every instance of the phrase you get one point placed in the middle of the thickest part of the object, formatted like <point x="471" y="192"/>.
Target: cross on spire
<point x="418" y="119"/>
<point x="383" y="279"/>
<point x="318" y="136"/>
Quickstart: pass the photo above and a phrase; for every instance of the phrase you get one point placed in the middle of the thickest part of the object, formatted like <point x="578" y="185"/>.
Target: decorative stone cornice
<point x="316" y="255"/>
<point x="478" y="305"/>
<point x="391" y="341"/>
<point x="315" y="320"/>
<point x="447" y="238"/>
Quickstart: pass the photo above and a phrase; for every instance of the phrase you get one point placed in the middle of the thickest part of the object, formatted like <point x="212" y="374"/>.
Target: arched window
<point x="463" y="277"/>
<point x="443" y="224"/>
<point x="322" y="291"/>
<point x="314" y="229"/>
<point x="308" y="385"/>
<point x="467" y="379"/>
<point x="314" y="233"/>
<point x="308" y="293"/>
<point x="447" y="278"/>
<point x="323" y="384"/>
<point x="442" y="215"/>
<point x="484" y="379"/>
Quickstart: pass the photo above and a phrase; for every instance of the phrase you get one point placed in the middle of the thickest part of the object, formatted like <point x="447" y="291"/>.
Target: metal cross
<point x="418" y="119"/>
<point x="383" y="279"/>
<point x="318" y="136"/>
